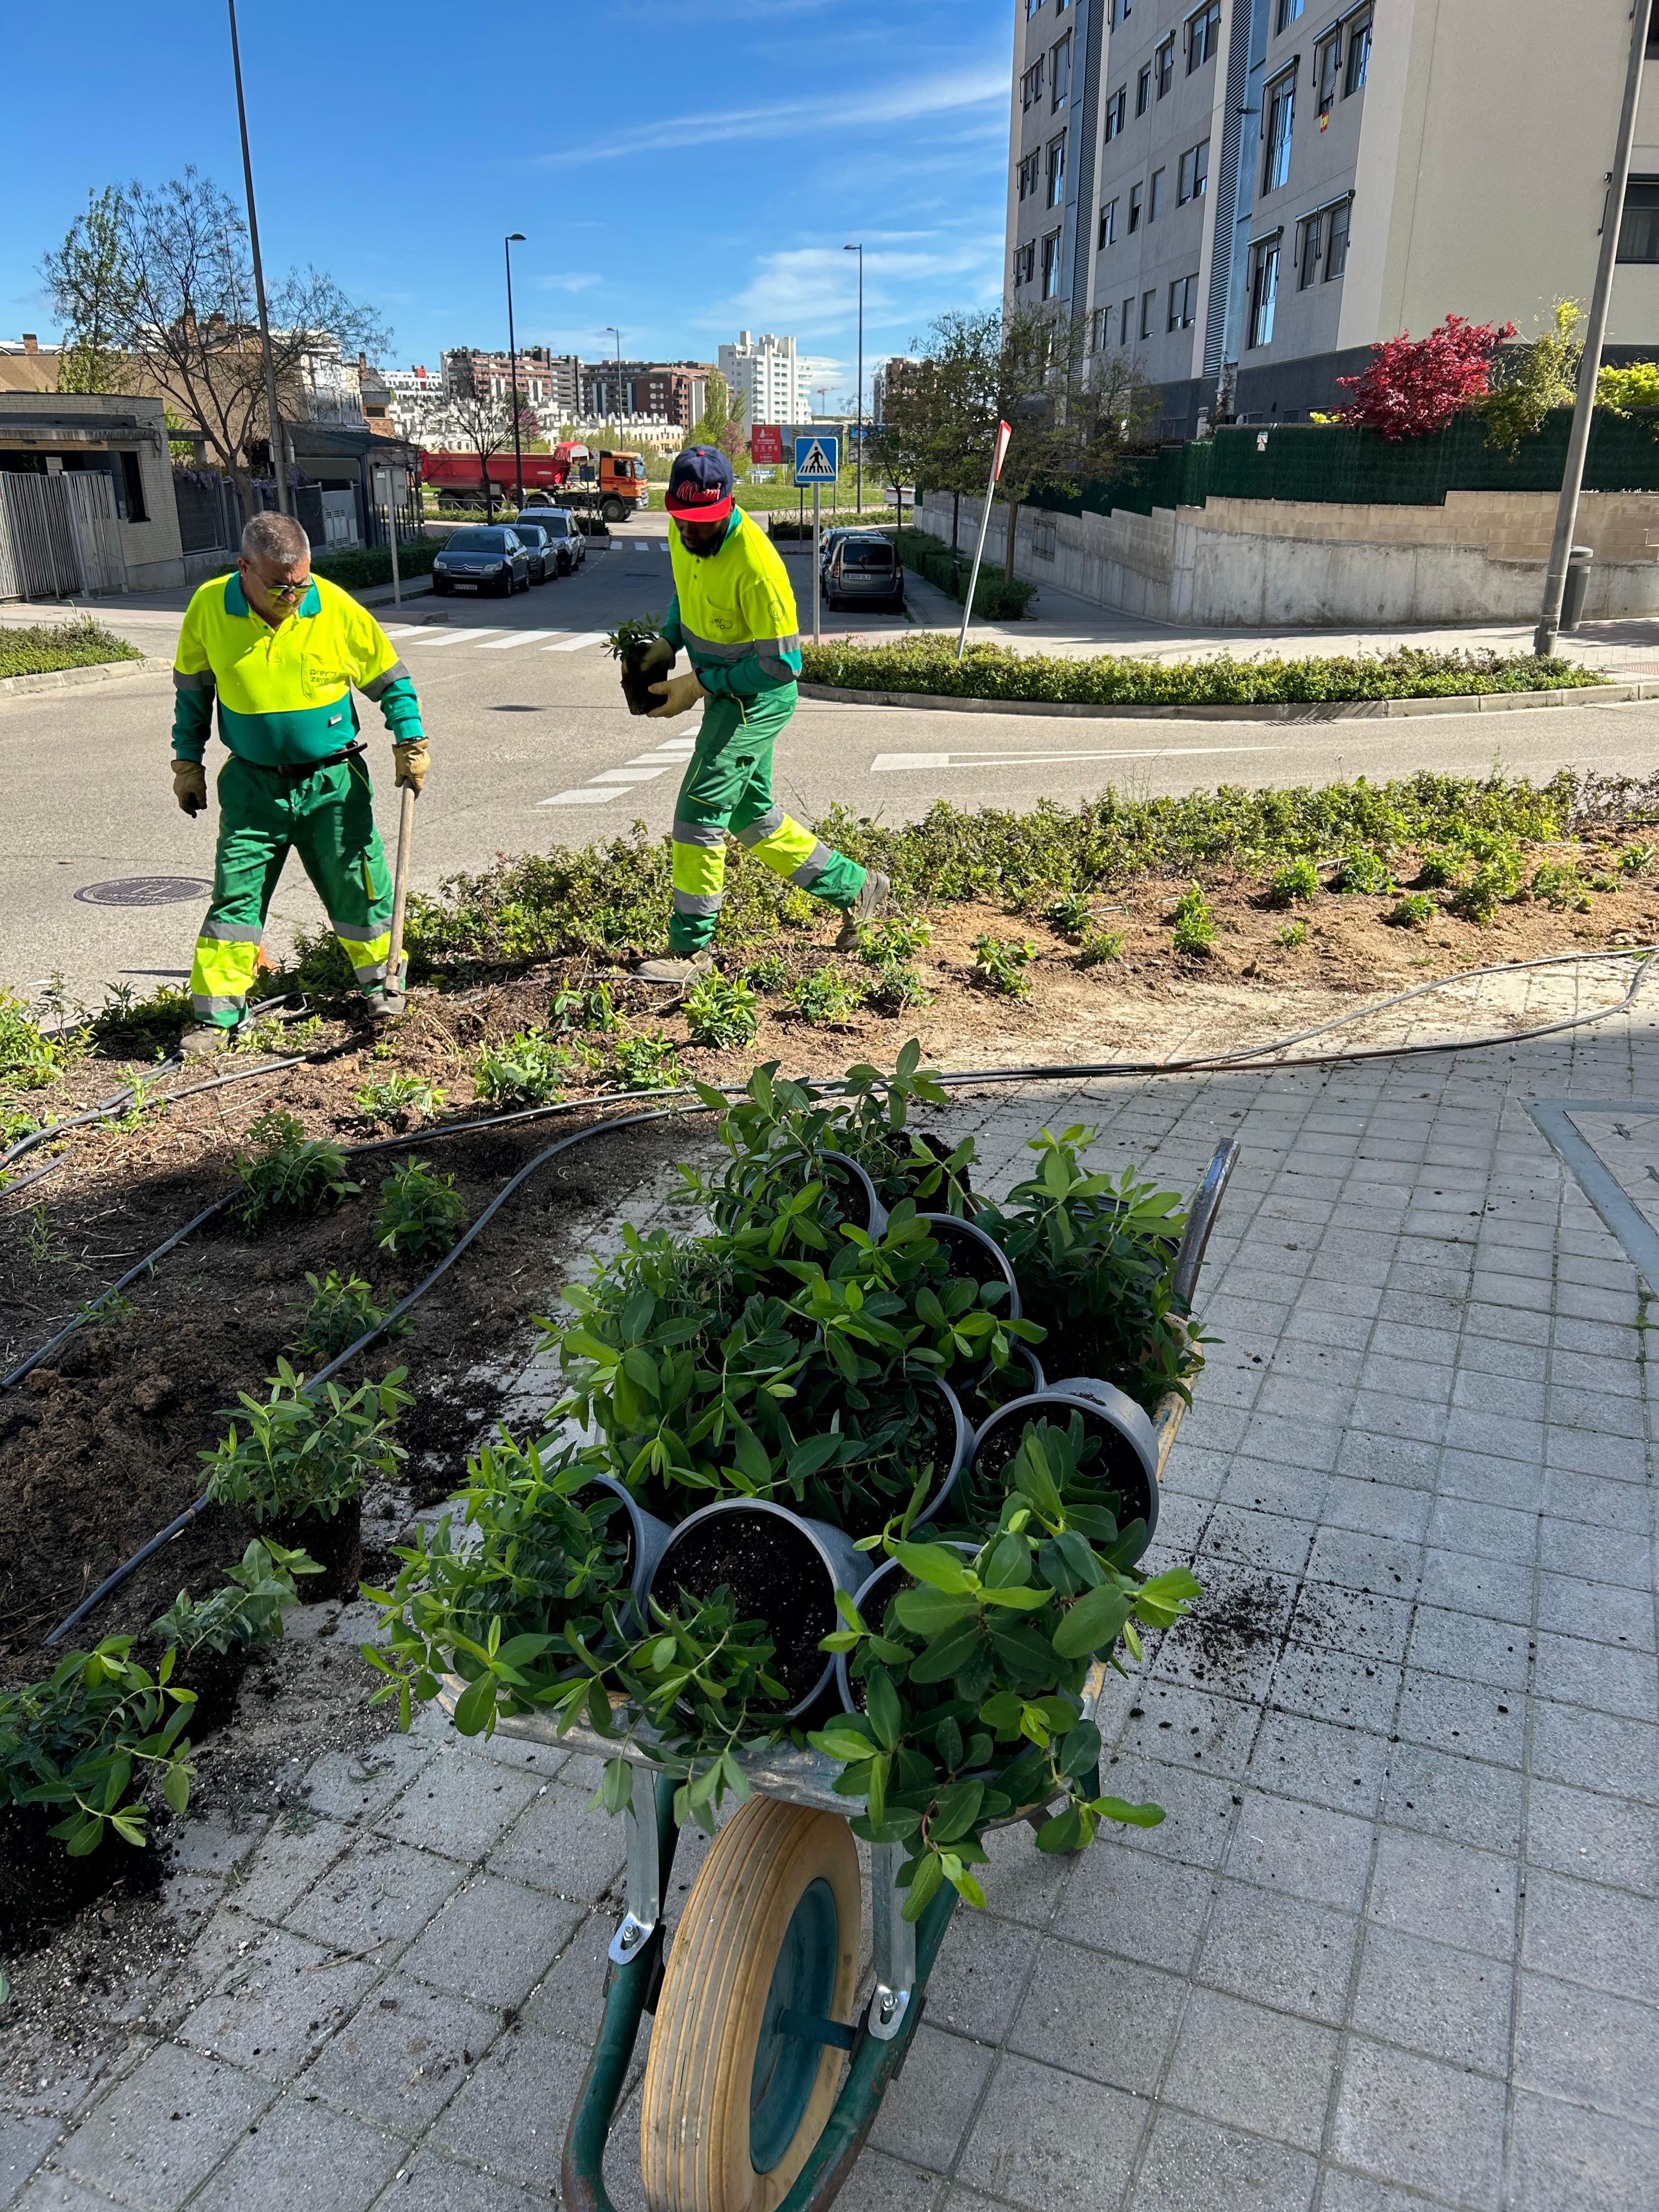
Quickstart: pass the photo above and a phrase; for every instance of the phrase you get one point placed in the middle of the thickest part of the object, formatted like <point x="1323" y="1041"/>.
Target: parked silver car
<point x="531" y="534"/>
<point x="864" y="571"/>
<point x="480" y="559"/>
<point x="569" y="540"/>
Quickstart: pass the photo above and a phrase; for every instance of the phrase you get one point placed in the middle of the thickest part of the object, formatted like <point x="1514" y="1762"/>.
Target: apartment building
<point x="771" y="376"/>
<point x="548" y="382"/>
<point x="1248" y="194"/>
<point x="651" y="391"/>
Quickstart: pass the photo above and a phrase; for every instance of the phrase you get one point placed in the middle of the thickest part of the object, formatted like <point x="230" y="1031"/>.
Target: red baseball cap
<point x="700" y="485"/>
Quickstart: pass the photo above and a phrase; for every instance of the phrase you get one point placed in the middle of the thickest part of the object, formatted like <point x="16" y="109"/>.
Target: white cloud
<point x="816" y="287"/>
<point x="581" y="280"/>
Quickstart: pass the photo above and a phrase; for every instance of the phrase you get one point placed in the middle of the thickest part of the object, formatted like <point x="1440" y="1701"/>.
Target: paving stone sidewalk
<point x="1396" y="1945"/>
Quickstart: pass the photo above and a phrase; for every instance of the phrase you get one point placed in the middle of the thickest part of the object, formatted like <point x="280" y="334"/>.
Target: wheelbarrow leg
<point x="893" y="1945"/>
<point x="644" y="1886"/>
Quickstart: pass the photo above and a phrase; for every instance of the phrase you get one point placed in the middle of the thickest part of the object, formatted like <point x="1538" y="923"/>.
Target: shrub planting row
<point x="364" y="566"/>
<point x="996" y="598"/>
<point x="38" y="648"/>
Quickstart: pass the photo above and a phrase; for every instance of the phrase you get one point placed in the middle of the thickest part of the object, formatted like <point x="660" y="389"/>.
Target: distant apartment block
<point x="648" y="391"/>
<point x="1247" y="195"/>
<point x="768" y="375"/>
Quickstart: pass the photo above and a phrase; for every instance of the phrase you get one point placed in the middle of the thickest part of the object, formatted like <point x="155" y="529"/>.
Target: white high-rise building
<point x="769" y="376"/>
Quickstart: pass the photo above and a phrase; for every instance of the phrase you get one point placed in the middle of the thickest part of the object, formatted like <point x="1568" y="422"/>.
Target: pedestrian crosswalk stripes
<point x="492" y="638"/>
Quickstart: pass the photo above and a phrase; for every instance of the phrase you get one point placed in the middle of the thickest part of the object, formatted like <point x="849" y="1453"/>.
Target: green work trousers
<point x="328" y="818"/>
<point x="728" y="786"/>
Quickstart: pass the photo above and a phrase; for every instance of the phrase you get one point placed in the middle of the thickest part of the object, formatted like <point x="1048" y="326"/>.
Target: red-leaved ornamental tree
<point x="1415" y="385"/>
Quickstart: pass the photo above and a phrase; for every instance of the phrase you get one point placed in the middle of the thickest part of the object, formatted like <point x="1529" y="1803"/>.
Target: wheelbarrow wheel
<point x="738" y="2086"/>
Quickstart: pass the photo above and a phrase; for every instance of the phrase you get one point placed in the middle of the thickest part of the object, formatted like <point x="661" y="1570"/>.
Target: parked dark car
<point x="481" y="559"/>
<point x="864" y="571"/>
<point x="531" y="532"/>
<point x="569" y="540"/>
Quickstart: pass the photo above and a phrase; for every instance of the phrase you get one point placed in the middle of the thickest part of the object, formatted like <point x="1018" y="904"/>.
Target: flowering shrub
<point x="1415" y="385"/>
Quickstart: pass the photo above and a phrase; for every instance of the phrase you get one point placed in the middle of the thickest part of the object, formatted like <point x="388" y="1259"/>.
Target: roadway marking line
<point x="516" y="637"/>
<point x="904" y="764"/>
<point x="587" y="796"/>
<point x="633" y="775"/>
<point x="653" y="760"/>
<point x="676" y="748"/>
<point x="455" y="636"/>
<point x="575" y="644"/>
<point x="401" y="629"/>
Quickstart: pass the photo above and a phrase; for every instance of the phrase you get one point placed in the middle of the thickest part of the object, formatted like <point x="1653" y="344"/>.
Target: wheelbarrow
<point x="746" y="2106"/>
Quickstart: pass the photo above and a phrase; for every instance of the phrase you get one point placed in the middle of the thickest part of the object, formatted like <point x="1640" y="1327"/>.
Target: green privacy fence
<point x="1333" y="465"/>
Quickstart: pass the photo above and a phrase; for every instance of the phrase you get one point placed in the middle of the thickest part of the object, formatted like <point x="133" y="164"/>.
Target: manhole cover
<point x="144" y="891"/>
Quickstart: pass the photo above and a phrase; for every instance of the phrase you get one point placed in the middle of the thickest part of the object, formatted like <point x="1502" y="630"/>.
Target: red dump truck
<point x="608" y="484"/>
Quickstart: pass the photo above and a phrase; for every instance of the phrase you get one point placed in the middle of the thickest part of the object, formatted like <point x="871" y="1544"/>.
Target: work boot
<point x="672" y="969"/>
<point x="202" y="1038"/>
<point x="384" y="1005"/>
<point x="871" y="900"/>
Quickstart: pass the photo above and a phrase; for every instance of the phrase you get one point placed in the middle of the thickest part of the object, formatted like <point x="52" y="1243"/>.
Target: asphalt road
<point x="101" y="878"/>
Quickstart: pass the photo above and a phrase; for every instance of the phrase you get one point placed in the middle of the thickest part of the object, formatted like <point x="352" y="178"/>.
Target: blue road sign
<point x="818" y="460"/>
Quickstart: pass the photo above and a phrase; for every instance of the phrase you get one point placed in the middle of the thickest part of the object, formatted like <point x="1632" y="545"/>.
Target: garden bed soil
<point x="336" y="1542"/>
<point x="776" y="1575"/>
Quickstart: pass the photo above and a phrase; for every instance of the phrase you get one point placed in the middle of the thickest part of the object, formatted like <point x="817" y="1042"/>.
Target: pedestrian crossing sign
<point x="818" y="460"/>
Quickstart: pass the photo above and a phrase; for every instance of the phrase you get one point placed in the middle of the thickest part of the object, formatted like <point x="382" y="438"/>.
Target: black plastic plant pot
<point x="973" y="1252"/>
<point x="39" y="1882"/>
<point x="847" y="1181"/>
<point x="872" y="1599"/>
<point x="645" y="1537"/>
<point x="953" y="1434"/>
<point x="642" y="665"/>
<point x="991" y="1389"/>
<point x="335" y="1544"/>
<point x="780" y="1569"/>
<point x="1126" y="1461"/>
<point x="961" y="1451"/>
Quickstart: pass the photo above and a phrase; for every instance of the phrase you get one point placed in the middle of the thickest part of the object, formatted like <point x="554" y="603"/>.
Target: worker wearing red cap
<point x="733" y="613"/>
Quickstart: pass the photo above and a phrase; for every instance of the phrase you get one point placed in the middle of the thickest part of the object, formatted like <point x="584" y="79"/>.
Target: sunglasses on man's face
<point x="285" y="591"/>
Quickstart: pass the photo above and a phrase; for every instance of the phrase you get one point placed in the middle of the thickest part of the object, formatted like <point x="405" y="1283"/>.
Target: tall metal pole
<point x="278" y="459"/>
<point x="514" y="238"/>
<point x="818" y="557"/>
<point x="1589" y="368"/>
<point x="859" y="249"/>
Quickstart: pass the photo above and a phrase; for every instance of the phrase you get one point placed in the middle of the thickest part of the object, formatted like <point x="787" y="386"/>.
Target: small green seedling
<point x="1070" y="913"/>
<point x="527" y="1070"/>
<point x="719" y="1011"/>
<point x="896" y="987"/>
<point x="898" y="938"/>
<point x="1413" y="910"/>
<point x="644" y="1062"/>
<point x="1000" y="965"/>
<point x="396" y="1098"/>
<point x="1292" y="934"/>
<point x="768" y="973"/>
<point x="1095" y="946"/>
<point x="420" y="1211"/>
<point x="1363" y="871"/>
<point x="827" y="997"/>
<point x="1194" y="923"/>
<point x="287" y="1172"/>
<point x="1297" y="880"/>
<point x="342" y="1310"/>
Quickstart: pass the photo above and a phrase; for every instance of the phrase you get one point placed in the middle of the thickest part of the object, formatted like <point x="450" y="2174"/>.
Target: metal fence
<point x="60" y="536"/>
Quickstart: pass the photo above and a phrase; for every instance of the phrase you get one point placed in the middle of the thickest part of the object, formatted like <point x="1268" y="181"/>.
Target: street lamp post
<point x="514" y="238"/>
<point x="278" y="469"/>
<point x="859" y="249"/>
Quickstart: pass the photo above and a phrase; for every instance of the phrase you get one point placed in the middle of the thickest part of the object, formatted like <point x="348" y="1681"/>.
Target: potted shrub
<point x="80" y="1754"/>
<point x="212" y="1639"/>
<point x="991" y="1388"/>
<point x="1109" y="1436"/>
<point x="300" y="1465"/>
<point x="646" y="656"/>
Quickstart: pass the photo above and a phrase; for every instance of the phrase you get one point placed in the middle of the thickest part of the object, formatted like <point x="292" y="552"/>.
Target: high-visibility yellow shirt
<point x="734" y="612"/>
<point x="284" y="694"/>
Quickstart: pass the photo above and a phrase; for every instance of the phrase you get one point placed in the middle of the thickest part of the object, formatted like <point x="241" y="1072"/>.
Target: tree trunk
<point x="1008" y="555"/>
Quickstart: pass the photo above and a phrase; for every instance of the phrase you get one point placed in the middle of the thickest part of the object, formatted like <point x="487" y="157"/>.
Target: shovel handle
<point x="394" y="981"/>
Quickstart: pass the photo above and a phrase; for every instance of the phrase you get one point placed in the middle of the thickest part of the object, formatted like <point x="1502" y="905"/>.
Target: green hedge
<point x="366" y="565"/>
<point x="43" y="647"/>
<point x="926" y="662"/>
<point x="873" y="518"/>
<point x="995" y="600"/>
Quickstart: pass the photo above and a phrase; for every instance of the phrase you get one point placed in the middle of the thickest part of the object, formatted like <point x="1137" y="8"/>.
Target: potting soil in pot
<point x="1104" y="1456"/>
<point x="852" y="1501"/>
<point x="776" y="1575"/>
<point x="335" y="1544"/>
<point x="641" y="667"/>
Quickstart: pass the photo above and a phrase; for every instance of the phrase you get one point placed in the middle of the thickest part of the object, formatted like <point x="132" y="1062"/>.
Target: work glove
<point x="190" y="786"/>
<point x="678" y="693"/>
<point x="413" y="760"/>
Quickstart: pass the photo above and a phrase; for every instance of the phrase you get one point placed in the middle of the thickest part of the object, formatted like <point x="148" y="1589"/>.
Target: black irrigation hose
<point x="1062" y="1071"/>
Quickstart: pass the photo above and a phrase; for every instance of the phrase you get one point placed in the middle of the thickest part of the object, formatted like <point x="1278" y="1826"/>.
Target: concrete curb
<point x="62" y="679"/>
<point x="1481" y="702"/>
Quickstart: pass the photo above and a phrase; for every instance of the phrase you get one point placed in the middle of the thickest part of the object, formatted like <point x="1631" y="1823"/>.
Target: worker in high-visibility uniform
<point x="282" y="649"/>
<point x="734" y="614"/>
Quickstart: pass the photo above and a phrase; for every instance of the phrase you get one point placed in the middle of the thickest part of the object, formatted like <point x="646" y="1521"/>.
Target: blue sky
<point x="682" y="168"/>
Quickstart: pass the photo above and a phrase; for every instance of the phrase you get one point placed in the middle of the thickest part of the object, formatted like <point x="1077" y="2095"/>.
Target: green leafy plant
<point x="769" y="974"/>
<point x="1413" y="910"/>
<point x="583" y="1006"/>
<point x="632" y="635"/>
<point x="899" y="937"/>
<point x="1194" y="923"/>
<point x="1000" y="965"/>
<point x="1296" y="879"/>
<point x="1496" y="880"/>
<point x="290" y="1455"/>
<point x="642" y="1062"/>
<point x="1095" y="946"/>
<point x="1623" y="390"/>
<point x="827" y="997"/>
<point x="92" y="1739"/>
<point x="895" y="987"/>
<point x="1292" y="935"/>
<point x="245" y="1613"/>
<point x="1636" y="860"/>
<point x="719" y="1011"/>
<point x="420" y="1211"/>
<point x="1363" y="871"/>
<point x="527" y="1070"/>
<point x="27" y="1059"/>
<point x="397" y="1098"/>
<point x="1560" y="885"/>
<point x="270" y="1033"/>
<point x="1439" y="870"/>
<point x="37" y="649"/>
<point x="1531" y="380"/>
<point x="1071" y="913"/>
<point x="127" y="1027"/>
<point x="286" y="1171"/>
<point x="342" y="1310"/>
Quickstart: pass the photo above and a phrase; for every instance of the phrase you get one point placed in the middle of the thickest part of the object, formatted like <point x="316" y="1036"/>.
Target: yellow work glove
<point x="413" y="760"/>
<point x="190" y="785"/>
<point x="678" y="693"/>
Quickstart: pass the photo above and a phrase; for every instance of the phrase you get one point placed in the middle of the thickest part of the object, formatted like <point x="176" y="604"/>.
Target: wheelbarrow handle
<point x="1200" y="1220"/>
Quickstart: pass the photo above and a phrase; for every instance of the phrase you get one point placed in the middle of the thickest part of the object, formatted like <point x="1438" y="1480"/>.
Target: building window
<point x="1264" y="290"/>
<point x="1056" y="172"/>
<point x="1155" y="197"/>
<point x="1024" y="264"/>
<point x="1193" y="177"/>
<point x="1639" y="230"/>
<point x="1117" y="113"/>
<point x="1030" y="169"/>
<point x="1122" y="10"/>
<point x="1328" y="71"/>
<point x="1128" y="322"/>
<point x="133" y="485"/>
<point x="1289" y="12"/>
<point x="1203" y="36"/>
<point x="1032" y="7"/>
<point x="1336" y="240"/>
<point x="1278" y="113"/>
<point x="1184" y="295"/>
<point x="1163" y="66"/>
<point x="1144" y="91"/>
<point x="1051" y="265"/>
<point x="1060" y="69"/>
<point x="1136" y="208"/>
<point x="1359" y="55"/>
<point x="1030" y="85"/>
<point x="1148" y="306"/>
<point x="1101" y="330"/>
<point x="1108" y="226"/>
